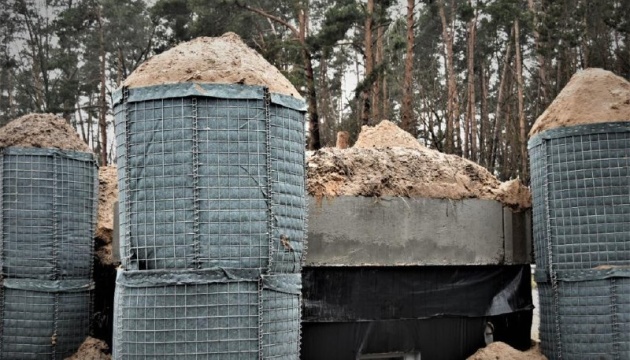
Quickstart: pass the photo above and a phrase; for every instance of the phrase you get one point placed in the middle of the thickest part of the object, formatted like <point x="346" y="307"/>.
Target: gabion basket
<point x="581" y="216"/>
<point x="43" y="319"/>
<point x="586" y="315"/>
<point x="210" y="176"/>
<point x="48" y="215"/>
<point x="206" y="314"/>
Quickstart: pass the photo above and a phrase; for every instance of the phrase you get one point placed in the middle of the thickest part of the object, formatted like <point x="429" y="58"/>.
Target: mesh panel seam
<point x="195" y="179"/>
<point x="615" y="318"/>
<point x="552" y="274"/>
<point x="270" y="179"/>
<point x="126" y="242"/>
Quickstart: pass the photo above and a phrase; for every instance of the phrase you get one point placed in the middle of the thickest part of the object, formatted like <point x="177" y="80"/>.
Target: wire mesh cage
<point x="43" y="319"/>
<point x="586" y="319"/>
<point x="206" y="314"/>
<point x="581" y="215"/>
<point x="210" y="175"/>
<point x="49" y="202"/>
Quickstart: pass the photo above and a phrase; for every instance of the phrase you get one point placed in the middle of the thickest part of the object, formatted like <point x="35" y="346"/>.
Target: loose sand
<point x="92" y="349"/>
<point x="222" y="60"/>
<point x="503" y="351"/>
<point x="387" y="161"/>
<point x="591" y="96"/>
<point x="41" y="131"/>
<point x="107" y="196"/>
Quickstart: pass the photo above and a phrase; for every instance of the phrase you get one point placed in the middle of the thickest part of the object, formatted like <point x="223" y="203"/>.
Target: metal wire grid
<point x="48" y="214"/>
<point x="160" y="194"/>
<point x="32" y="329"/>
<point x="280" y="327"/>
<point x="222" y="198"/>
<point x="588" y="177"/>
<point x="594" y="318"/>
<point x="233" y="179"/>
<point x="288" y="199"/>
<point x="188" y="321"/>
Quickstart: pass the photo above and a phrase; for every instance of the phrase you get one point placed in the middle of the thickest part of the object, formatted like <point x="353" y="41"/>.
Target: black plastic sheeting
<point x="442" y="338"/>
<point x="439" y="312"/>
<point x="334" y="294"/>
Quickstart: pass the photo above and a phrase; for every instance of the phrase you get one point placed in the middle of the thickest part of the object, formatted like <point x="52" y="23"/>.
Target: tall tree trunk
<point x="366" y="94"/>
<point x="300" y="35"/>
<point x="521" y="112"/>
<point x="471" y="120"/>
<point x="385" y="98"/>
<point x="484" y="125"/>
<point x="408" y="122"/>
<point x="452" y="106"/>
<point x="313" y="116"/>
<point x="84" y="136"/>
<point x="542" y="64"/>
<point x="119" y="68"/>
<point x="377" y="100"/>
<point x="102" y="121"/>
<point x="500" y="99"/>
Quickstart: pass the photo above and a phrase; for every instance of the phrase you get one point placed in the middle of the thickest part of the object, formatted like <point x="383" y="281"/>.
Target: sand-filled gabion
<point x="580" y="166"/>
<point x="211" y="174"/>
<point x="212" y="206"/>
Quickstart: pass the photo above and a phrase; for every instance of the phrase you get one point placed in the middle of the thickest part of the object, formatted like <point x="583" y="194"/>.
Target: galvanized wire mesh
<point x="205" y="314"/>
<point x="49" y="201"/>
<point x="288" y="204"/>
<point x="592" y="320"/>
<point x="210" y="175"/>
<point x="586" y="204"/>
<point x="43" y="319"/>
<point x="581" y="195"/>
<point x="280" y="318"/>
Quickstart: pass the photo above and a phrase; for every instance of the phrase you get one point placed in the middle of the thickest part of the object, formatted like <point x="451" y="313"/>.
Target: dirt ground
<point x="41" y="131"/>
<point x="503" y="351"/>
<point x="222" y="60"/>
<point x="92" y="349"/>
<point x="107" y="196"/>
<point x="591" y="96"/>
<point x="387" y="161"/>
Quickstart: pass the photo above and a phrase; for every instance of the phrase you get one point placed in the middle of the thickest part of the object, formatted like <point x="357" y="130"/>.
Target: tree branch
<point x="281" y="21"/>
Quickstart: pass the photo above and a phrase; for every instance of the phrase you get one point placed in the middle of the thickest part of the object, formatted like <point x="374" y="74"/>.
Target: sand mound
<point x="385" y="135"/>
<point x="107" y="196"/>
<point x="503" y="351"/>
<point x="92" y="349"/>
<point x="591" y="96"/>
<point x="222" y="60"/>
<point x="41" y="131"/>
<point x="371" y="168"/>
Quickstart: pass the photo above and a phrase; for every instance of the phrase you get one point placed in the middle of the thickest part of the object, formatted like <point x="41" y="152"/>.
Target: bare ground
<point x="92" y="349"/>
<point x="41" y="131"/>
<point x="107" y="196"/>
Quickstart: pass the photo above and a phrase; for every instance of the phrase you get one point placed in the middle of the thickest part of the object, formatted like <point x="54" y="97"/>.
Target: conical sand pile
<point x="41" y="131"/>
<point x="591" y="96"/>
<point x="220" y="60"/>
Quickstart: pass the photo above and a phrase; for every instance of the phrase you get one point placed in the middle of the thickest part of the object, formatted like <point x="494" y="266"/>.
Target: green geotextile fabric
<point x="48" y="213"/>
<point x="206" y="314"/>
<point x="210" y="176"/>
<point x="43" y="319"/>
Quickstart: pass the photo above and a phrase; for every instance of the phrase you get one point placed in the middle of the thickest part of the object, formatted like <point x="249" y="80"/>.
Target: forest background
<point x="467" y="77"/>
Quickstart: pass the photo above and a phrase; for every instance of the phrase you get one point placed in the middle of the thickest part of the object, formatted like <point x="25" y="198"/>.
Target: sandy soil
<point x="92" y="349"/>
<point x="591" y="96"/>
<point x="41" y="131"/>
<point x="503" y="351"/>
<point x="222" y="60"/>
<point x="107" y="196"/>
<point x="387" y="161"/>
